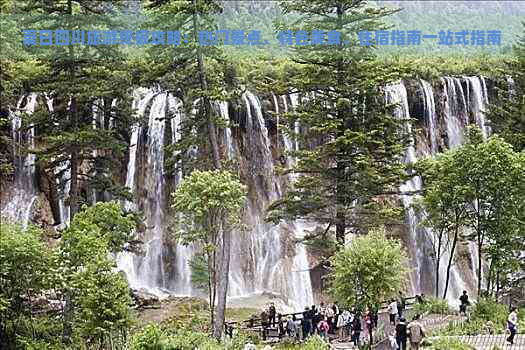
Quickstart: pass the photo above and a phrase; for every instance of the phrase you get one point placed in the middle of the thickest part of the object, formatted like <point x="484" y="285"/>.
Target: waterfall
<point x="21" y="201"/>
<point x="421" y="238"/>
<point x="430" y="115"/>
<point x="150" y="271"/>
<point x="479" y="101"/>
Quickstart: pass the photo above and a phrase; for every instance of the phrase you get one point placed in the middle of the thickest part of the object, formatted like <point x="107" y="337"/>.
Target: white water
<point x="430" y="115"/>
<point x="20" y="203"/>
<point x="421" y="238"/>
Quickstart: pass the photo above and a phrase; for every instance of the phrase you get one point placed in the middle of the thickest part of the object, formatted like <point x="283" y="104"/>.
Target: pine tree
<point x="80" y="79"/>
<point x="357" y="157"/>
<point x="195" y="73"/>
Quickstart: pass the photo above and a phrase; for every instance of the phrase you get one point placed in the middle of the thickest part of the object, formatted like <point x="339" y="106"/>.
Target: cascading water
<point x="430" y="115"/>
<point x="421" y="238"/>
<point x="20" y="204"/>
<point x="150" y="271"/>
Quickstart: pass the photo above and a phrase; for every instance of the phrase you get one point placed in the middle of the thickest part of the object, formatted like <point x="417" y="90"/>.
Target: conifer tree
<point x="358" y="142"/>
<point x="80" y="79"/>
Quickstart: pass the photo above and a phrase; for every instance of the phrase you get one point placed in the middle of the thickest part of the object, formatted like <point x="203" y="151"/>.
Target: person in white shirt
<point x="392" y="311"/>
<point x="342" y="322"/>
<point x="512" y="324"/>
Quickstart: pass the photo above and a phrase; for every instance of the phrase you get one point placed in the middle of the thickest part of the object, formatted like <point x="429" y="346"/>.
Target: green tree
<point x="97" y="299"/>
<point x="442" y="201"/>
<point x="24" y="273"/>
<point x="370" y="270"/>
<point x="80" y="79"/>
<point x="359" y="143"/>
<point x="507" y="111"/>
<point x="198" y="75"/>
<point x="478" y="189"/>
<point x="209" y="202"/>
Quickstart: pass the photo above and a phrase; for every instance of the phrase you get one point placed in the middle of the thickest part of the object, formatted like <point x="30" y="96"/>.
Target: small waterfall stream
<point x="20" y="204"/>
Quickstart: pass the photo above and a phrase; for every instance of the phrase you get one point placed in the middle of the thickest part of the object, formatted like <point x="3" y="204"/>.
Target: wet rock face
<point x="265" y="257"/>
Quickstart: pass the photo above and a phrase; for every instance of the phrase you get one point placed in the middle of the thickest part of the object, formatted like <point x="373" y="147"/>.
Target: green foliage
<point x="370" y="270"/>
<point x="478" y="186"/>
<point x="24" y="268"/>
<point x="430" y="305"/>
<point x="488" y="309"/>
<point x="449" y="344"/>
<point x="98" y="296"/>
<point x="207" y="199"/>
<point x="315" y="342"/>
<point x="357" y="157"/>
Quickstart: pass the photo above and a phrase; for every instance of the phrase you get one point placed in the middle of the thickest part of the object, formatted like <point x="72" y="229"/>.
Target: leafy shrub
<point x="152" y="337"/>
<point x="315" y="342"/>
<point x="488" y="309"/>
<point x="431" y="305"/>
<point x="449" y="344"/>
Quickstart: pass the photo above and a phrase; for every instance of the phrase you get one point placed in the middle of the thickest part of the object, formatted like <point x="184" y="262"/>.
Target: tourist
<point x="337" y="312"/>
<point x="306" y="325"/>
<point x="356" y="329"/>
<point x="419" y="299"/>
<point x="392" y="311"/>
<point x="330" y="318"/>
<point x="401" y="304"/>
<point x="343" y="321"/>
<point x="316" y="318"/>
<point x="369" y="323"/>
<point x="322" y="309"/>
<point x="416" y="333"/>
<point x="264" y="323"/>
<point x="512" y="324"/>
<point x="272" y="313"/>
<point x="323" y="328"/>
<point x="298" y="328"/>
<point x="464" y="302"/>
<point x="401" y="334"/>
<point x="291" y="327"/>
<point x="280" y="325"/>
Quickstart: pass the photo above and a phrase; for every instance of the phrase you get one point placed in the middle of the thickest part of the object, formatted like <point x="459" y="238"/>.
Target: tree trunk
<point x="222" y="289"/>
<point x="450" y="259"/>
<point x="438" y="261"/>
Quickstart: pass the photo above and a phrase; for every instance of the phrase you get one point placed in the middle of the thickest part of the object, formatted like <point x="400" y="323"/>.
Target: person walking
<point x="401" y="304"/>
<point x="272" y="313"/>
<point x="356" y="329"/>
<point x="464" y="302"/>
<point x="401" y="334"/>
<point x="330" y="319"/>
<point x="306" y="325"/>
<point x="416" y="333"/>
<point x="392" y="311"/>
<point x="264" y="323"/>
<point x="342" y="321"/>
<point x="512" y="324"/>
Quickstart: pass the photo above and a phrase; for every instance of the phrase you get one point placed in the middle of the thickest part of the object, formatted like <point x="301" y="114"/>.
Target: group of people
<point x="325" y="320"/>
<point x="405" y="332"/>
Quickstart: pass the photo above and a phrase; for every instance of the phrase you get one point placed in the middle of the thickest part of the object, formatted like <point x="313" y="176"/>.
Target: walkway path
<point x="487" y="342"/>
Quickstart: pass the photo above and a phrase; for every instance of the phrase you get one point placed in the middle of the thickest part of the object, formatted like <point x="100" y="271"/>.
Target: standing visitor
<point x="316" y="318"/>
<point x="392" y="311"/>
<point x="415" y="330"/>
<point x="512" y="324"/>
<point x="290" y="327"/>
<point x="401" y="304"/>
<point x="369" y="324"/>
<point x="307" y="322"/>
<point x="330" y="318"/>
<point x="323" y="328"/>
<point x="337" y="312"/>
<point x="401" y="334"/>
<point x="280" y="325"/>
<point x="464" y="302"/>
<point x="342" y="324"/>
<point x="264" y="323"/>
<point x="272" y="313"/>
<point x="322" y="309"/>
<point x="356" y="329"/>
